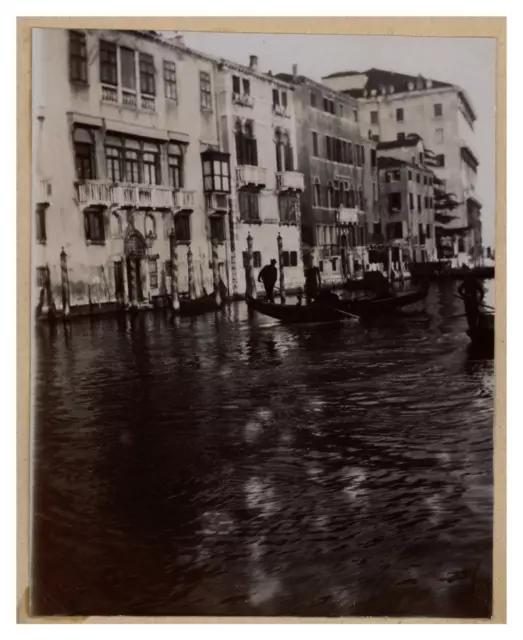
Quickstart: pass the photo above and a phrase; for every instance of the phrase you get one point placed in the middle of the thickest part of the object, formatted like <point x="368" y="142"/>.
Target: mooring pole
<point x="281" y="265"/>
<point x="175" y="300"/>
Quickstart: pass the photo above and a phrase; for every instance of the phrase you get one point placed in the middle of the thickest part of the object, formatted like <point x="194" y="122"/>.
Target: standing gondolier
<point x="268" y="275"/>
<point x="473" y="293"/>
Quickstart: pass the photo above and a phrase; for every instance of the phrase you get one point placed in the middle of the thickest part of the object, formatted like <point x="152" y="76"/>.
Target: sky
<point x="467" y="62"/>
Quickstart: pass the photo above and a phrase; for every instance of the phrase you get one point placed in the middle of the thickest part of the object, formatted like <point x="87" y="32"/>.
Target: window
<point x="169" y="79"/>
<point x="286" y="258"/>
<point x="400" y="136"/>
<point x="418" y="178"/>
<point x="153" y="273"/>
<point x="284" y="155"/>
<point x="205" y="90"/>
<point x="411" y="201"/>
<point x="182" y="227"/>
<point x="419" y="202"/>
<point x="355" y="113"/>
<point x="428" y="231"/>
<point x="256" y="259"/>
<point x="94" y="226"/>
<point x="328" y="105"/>
<point x="287" y="206"/>
<point x="425" y="180"/>
<point x="394" y="230"/>
<point x="108" y="69"/>
<point x="374" y="117"/>
<point x="361" y="200"/>
<point x="40" y="225"/>
<point x="294" y="258"/>
<point x="376" y="231"/>
<point x="147" y="83"/>
<point x="128" y="68"/>
<point x="320" y="266"/>
<point x="151" y="164"/>
<point x="246" y="146"/>
<point x="315" y="150"/>
<point x="438" y="110"/>
<point x="175" y="165"/>
<point x="313" y="99"/>
<point x="426" y="202"/>
<point x="246" y="86"/>
<point x="440" y="136"/>
<point x="410" y="175"/>
<point x="421" y="233"/>
<point x="373" y="158"/>
<point x="132" y="162"/>
<point x="330" y="196"/>
<point x="394" y="199"/>
<point x="284" y="99"/>
<point x="341" y="110"/>
<point x="41" y="276"/>
<point x="217" y="228"/>
<point x="216" y="172"/>
<point x="236" y="84"/>
<point x="362" y="156"/>
<point x="316" y="193"/>
<point x="440" y="159"/>
<point x="113" y="159"/>
<point x="77" y="57"/>
<point x="248" y="205"/>
<point x="399" y="115"/>
<point x="275" y="98"/>
<point x="83" y="140"/>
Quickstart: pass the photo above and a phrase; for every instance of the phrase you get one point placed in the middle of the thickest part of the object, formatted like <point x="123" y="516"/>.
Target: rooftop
<point x="377" y="78"/>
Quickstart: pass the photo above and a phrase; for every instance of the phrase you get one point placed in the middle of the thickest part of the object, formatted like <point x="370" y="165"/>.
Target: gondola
<point x="337" y="310"/>
<point x="482" y="333"/>
<point x="204" y="304"/>
<point x="438" y="271"/>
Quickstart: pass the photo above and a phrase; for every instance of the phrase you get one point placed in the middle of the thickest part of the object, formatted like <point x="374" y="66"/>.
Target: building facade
<point x="257" y="128"/>
<point x="338" y="201"/>
<point x="119" y="169"/>
<point x="406" y="201"/>
<point x="393" y="105"/>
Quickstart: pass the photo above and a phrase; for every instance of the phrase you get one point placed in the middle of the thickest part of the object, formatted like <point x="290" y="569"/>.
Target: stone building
<point x="338" y="201"/>
<point x="124" y="123"/>
<point x="392" y="105"/>
<point x="405" y="202"/>
<point x="257" y="128"/>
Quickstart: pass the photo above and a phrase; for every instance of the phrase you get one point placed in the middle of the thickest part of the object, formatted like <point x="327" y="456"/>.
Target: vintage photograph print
<point x="263" y="302"/>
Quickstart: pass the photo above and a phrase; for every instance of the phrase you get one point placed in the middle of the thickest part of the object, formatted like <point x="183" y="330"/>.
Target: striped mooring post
<point x="281" y="266"/>
<point x="250" y="284"/>
<point x="216" y="273"/>
<point x="175" y="300"/>
<point x="66" y="306"/>
<point x="190" y="270"/>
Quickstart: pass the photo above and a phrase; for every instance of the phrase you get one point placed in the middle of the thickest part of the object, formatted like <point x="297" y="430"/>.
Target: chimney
<point x="253" y="63"/>
<point x="294" y="71"/>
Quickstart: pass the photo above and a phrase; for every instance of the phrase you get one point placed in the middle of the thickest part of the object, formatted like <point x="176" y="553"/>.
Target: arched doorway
<point x="135" y="252"/>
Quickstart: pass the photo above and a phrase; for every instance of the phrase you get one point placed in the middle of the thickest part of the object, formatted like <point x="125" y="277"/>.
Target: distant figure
<point x="312" y="283"/>
<point x="473" y="293"/>
<point x="268" y="275"/>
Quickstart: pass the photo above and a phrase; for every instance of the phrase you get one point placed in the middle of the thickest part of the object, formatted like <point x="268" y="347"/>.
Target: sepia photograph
<point x="263" y="299"/>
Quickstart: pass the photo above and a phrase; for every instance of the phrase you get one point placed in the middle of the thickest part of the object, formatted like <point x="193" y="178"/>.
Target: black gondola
<point x="337" y="310"/>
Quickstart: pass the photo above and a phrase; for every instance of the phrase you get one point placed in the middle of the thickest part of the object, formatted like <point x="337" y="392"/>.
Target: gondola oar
<point x="346" y="313"/>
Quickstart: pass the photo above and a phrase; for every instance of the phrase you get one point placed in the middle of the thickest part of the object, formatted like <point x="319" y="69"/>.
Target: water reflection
<point x="222" y="465"/>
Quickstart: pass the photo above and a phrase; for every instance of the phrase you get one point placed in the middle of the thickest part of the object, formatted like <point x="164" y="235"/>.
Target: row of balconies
<point x="104" y="193"/>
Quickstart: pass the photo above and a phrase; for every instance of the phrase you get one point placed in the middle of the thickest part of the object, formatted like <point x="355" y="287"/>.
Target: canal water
<point x="229" y="465"/>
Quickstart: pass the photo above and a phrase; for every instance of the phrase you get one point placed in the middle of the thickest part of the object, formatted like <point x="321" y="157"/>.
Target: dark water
<point x="230" y="466"/>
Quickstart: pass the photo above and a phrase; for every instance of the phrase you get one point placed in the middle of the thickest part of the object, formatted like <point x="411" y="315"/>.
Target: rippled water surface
<point x="229" y="465"/>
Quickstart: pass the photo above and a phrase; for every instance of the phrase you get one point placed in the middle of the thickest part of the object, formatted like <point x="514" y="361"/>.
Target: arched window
<point x="330" y="195"/>
<point x="361" y="203"/>
<point x="116" y="225"/>
<point x="84" y="153"/>
<point x="351" y="198"/>
<point x="316" y="193"/>
<point x="279" y="150"/>
<point x="175" y="165"/>
<point x="346" y="187"/>
<point x="151" y="164"/>
<point x="246" y="145"/>
<point x="150" y="226"/>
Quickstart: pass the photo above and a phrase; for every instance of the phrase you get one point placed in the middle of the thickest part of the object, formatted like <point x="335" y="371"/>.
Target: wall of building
<point x="59" y="104"/>
<point x="265" y="122"/>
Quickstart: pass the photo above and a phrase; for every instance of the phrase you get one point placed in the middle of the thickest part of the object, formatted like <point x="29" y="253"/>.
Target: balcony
<point x="348" y="216"/>
<point x="43" y="192"/>
<point x="217" y="202"/>
<point x="243" y="99"/>
<point x="280" y="110"/>
<point x="290" y="181"/>
<point x="97" y="193"/>
<point x="184" y="200"/>
<point x="249" y="175"/>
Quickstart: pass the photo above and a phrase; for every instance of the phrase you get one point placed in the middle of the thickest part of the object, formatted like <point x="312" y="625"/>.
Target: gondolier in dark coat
<point x="268" y="275"/>
<point x="312" y="283"/>
<point x="473" y="293"/>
